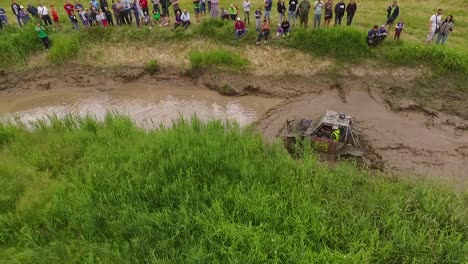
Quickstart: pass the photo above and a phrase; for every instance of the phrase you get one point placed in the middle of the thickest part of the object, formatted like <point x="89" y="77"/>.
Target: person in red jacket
<point x="240" y="28"/>
<point x="144" y="6"/>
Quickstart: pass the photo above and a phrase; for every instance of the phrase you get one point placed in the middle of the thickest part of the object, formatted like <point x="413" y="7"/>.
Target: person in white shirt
<point x="434" y="24"/>
<point x="44" y="14"/>
<point x="246" y="6"/>
<point x="185" y="17"/>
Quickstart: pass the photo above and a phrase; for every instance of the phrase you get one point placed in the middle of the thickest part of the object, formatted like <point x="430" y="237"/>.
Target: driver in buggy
<point x="375" y="36"/>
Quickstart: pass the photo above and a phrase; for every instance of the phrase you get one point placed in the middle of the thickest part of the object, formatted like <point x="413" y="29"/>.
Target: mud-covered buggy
<point x="324" y="135"/>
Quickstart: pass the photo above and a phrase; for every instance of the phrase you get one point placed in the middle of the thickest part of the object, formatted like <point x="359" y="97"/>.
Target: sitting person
<point x="224" y="14"/>
<point x="163" y="21"/>
<point x="240" y="28"/>
<point x="285" y="25"/>
<point x="375" y="36"/>
<point x="383" y="32"/>
<point x="178" y="21"/>
<point x="185" y="17"/>
<point x="265" y="31"/>
<point x="279" y="32"/>
<point x="156" y="17"/>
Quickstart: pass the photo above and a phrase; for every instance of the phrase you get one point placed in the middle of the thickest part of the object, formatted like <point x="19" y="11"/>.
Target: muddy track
<point x="397" y="135"/>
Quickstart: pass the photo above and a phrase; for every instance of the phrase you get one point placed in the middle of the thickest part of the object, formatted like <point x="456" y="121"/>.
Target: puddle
<point x="147" y="105"/>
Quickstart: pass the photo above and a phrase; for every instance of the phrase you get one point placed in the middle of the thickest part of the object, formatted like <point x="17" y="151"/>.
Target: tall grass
<point x="343" y="43"/>
<point x="16" y="45"/>
<point x="64" y="48"/>
<point x="217" y="58"/>
<point x="81" y="190"/>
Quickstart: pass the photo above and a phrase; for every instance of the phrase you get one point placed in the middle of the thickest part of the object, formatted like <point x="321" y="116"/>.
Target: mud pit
<point x="405" y="142"/>
<point x="148" y="105"/>
<point x="399" y="137"/>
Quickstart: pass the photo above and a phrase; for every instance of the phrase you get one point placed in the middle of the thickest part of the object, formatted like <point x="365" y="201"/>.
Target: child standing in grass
<point x="258" y="17"/>
<point x="43" y="36"/>
<point x="84" y="17"/>
<point x="398" y="29"/>
<point x="103" y="19"/>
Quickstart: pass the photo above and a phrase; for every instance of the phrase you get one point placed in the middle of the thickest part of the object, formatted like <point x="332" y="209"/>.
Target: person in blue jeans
<point x="16" y="11"/>
<point x="445" y="28"/>
<point x="268" y="5"/>
<point x="340" y="9"/>
<point x="239" y="26"/>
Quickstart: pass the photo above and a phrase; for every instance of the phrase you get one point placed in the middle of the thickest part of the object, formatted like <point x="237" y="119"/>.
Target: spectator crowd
<point x="127" y="12"/>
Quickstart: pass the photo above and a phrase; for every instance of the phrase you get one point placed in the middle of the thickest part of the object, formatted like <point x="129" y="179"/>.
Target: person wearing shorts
<point x="328" y="12"/>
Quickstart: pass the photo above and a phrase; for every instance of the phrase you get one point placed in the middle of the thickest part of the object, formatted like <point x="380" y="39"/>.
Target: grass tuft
<point x="64" y="48"/>
<point x="152" y="66"/>
<point x="217" y="59"/>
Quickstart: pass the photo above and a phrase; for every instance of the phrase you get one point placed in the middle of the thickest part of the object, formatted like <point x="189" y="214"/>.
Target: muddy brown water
<point x="405" y="142"/>
<point x="147" y="105"/>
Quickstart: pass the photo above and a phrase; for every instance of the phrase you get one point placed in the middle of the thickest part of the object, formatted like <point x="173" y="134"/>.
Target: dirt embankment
<point x="399" y="134"/>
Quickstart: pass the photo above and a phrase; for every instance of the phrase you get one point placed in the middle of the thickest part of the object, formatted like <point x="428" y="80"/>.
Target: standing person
<point x="202" y="8"/>
<point x="350" y="11"/>
<point x="84" y="18"/>
<point x="55" y="16"/>
<point x="175" y="5"/>
<point x="268" y="5"/>
<point x="16" y="9"/>
<point x="304" y="8"/>
<point x="246" y="5"/>
<point x="445" y="29"/>
<point x="258" y="17"/>
<point x="214" y="8"/>
<point x="196" y="9"/>
<point x="32" y="10"/>
<point x="3" y="18"/>
<point x="434" y="25"/>
<point x="398" y="29"/>
<point x="136" y="12"/>
<point x="115" y="10"/>
<point x="328" y="12"/>
<point x="103" y="4"/>
<point x="108" y="15"/>
<point x="318" y="6"/>
<point x="165" y="7"/>
<point x="239" y="26"/>
<point x="265" y="31"/>
<point x="24" y="15"/>
<point x="69" y="8"/>
<point x="392" y="13"/>
<point x="156" y="6"/>
<point x="281" y="8"/>
<point x="43" y="36"/>
<point x="340" y="8"/>
<point x="44" y="14"/>
<point x="292" y="11"/>
<point x="144" y="6"/>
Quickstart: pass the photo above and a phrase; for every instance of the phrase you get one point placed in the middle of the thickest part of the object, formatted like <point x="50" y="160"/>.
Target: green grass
<point x="16" y="45"/>
<point x="64" y="48"/>
<point x="152" y="66"/>
<point x="217" y="58"/>
<point x="87" y="191"/>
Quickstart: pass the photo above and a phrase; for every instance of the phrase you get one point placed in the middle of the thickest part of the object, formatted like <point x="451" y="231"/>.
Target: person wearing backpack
<point x="434" y="24"/>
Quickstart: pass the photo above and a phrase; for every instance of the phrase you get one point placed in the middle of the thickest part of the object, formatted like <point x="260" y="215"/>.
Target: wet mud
<point x="397" y="136"/>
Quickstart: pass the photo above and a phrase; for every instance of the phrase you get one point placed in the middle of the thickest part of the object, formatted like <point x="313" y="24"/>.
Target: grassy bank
<point x="345" y="44"/>
<point x="80" y="190"/>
